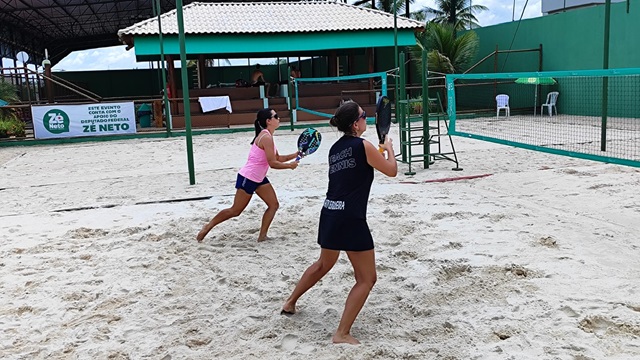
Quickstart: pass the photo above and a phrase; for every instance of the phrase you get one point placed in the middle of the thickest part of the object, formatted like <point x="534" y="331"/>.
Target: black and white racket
<point x="383" y="119"/>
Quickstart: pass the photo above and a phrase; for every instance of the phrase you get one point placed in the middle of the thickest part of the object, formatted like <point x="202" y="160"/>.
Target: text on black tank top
<point x="350" y="178"/>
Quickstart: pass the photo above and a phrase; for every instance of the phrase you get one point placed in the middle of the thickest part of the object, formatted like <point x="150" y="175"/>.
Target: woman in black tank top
<point x="343" y="219"/>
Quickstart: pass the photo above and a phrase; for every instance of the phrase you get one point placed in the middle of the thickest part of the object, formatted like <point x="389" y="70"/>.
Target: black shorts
<point x="347" y="234"/>
<point x="247" y="185"/>
<point x="258" y="83"/>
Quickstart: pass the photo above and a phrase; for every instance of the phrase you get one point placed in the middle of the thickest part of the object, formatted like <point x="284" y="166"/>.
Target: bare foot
<point x="288" y="309"/>
<point x="345" y="339"/>
<point x="202" y="233"/>
<point x="263" y="238"/>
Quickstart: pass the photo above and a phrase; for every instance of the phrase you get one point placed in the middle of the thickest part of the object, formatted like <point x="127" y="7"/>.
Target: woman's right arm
<point x="387" y="166"/>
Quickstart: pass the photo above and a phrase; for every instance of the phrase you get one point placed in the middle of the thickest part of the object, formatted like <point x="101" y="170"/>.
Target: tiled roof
<point x="271" y="17"/>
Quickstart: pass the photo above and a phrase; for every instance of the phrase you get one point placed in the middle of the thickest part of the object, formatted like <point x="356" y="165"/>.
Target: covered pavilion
<point x="327" y="29"/>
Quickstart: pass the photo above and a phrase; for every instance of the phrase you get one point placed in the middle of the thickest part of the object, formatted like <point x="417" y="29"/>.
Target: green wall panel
<point x="571" y="40"/>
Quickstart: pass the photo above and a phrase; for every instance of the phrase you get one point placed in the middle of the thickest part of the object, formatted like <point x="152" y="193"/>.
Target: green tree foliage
<point x="10" y="125"/>
<point x="209" y="62"/>
<point x="8" y="93"/>
<point x="448" y="53"/>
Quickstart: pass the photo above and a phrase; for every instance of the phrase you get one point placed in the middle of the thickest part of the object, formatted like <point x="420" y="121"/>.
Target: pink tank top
<point x="257" y="165"/>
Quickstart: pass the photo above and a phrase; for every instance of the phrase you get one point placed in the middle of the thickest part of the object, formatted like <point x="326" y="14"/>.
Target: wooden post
<point x="202" y="72"/>
<point x="333" y="63"/>
<point x="38" y="88"/>
<point x="540" y="58"/>
<point x="48" y="85"/>
<point x="372" y="96"/>
<point x="171" y="83"/>
<point x="495" y="70"/>
<point x="352" y="62"/>
<point x="16" y="75"/>
<point x="26" y="77"/>
<point x="157" y="113"/>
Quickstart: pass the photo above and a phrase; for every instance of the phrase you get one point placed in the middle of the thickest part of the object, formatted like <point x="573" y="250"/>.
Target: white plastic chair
<point x="552" y="98"/>
<point x="502" y="101"/>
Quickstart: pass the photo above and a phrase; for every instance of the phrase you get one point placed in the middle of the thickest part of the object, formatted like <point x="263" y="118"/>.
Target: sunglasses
<point x="363" y="116"/>
<point x="275" y="116"/>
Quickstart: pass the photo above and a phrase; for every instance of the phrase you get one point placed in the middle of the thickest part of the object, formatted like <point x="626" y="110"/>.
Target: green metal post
<point x="425" y="110"/>
<point x="405" y="113"/>
<point x="403" y="81"/>
<point x="403" y="121"/>
<point x="185" y="92"/>
<point x="605" y="80"/>
<point x="395" y="59"/>
<point x="395" y="38"/>
<point x="294" y="111"/>
<point x="167" y="109"/>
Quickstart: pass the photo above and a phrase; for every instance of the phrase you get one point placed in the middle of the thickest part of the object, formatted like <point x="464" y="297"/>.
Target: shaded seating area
<point x="245" y="103"/>
<point x="300" y="30"/>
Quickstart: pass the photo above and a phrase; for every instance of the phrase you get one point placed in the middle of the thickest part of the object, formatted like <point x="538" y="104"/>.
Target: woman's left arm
<point x="285" y="158"/>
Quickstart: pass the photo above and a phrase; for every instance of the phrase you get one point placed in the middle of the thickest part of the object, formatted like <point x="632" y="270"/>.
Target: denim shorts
<point x="249" y="186"/>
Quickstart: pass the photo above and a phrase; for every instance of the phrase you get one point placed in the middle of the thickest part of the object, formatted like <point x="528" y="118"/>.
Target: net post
<point x="451" y="103"/>
<point x="401" y="118"/>
<point x="185" y="93"/>
<point x="384" y="84"/>
<point x="605" y="80"/>
<point x="395" y="57"/>
<point x="405" y="113"/>
<point x="425" y="110"/>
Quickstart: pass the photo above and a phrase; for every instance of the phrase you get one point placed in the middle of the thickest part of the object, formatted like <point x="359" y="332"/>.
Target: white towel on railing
<point x="210" y="103"/>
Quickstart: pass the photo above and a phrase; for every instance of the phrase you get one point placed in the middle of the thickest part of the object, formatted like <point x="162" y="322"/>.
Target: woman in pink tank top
<point x="252" y="177"/>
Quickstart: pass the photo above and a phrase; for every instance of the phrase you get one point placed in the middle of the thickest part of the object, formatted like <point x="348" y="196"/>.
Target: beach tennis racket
<point x="383" y="120"/>
<point x="308" y="142"/>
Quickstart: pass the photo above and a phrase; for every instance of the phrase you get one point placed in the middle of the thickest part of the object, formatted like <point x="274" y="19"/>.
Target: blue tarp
<point x="3" y="103"/>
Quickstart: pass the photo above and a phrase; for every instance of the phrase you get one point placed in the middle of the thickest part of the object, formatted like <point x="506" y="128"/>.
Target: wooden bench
<point x="245" y="102"/>
<point x="234" y="93"/>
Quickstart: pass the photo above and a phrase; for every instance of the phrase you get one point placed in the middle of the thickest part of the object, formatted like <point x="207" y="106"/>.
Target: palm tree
<point x="385" y="5"/>
<point x="463" y="11"/>
<point x="448" y="53"/>
<point x="209" y="62"/>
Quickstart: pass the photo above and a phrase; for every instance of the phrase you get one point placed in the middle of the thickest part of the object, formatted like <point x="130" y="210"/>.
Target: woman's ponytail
<point x="261" y="122"/>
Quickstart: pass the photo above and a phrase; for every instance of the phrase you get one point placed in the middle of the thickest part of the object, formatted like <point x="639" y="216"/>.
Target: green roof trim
<point x="271" y="45"/>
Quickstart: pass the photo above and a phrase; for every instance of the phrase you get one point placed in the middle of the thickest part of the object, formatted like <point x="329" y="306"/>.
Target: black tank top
<point x="350" y="178"/>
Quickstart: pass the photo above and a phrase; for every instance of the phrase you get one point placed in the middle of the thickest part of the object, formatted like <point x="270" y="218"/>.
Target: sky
<point x="116" y="57"/>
